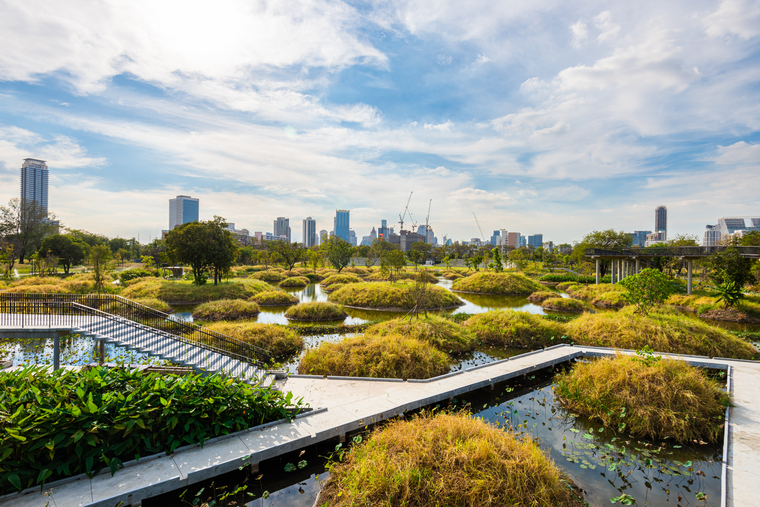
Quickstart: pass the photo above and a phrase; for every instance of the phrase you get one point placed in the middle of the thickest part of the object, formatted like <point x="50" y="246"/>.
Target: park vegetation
<point x="512" y="284"/>
<point x="185" y="292"/>
<point x="270" y="275"/>
<point x="274" y="298"/>
<point x="63" y="423"/>
<point x="541" y="296"/>
<point x="295" y="281"/>
<point x="441" y="333"/>
<point x="393" y="296"/>
<point x="511" y="329"/>
<point x="342" y="279"/>
<point x="646" y="396"/>
<point x="226" y="309"/>
<point x="207" y="246"/>
<point x="315" y="311"/>
<point x="450" y="459"/>
<point x="560" y="304"/>
<point x="279" y="341"/>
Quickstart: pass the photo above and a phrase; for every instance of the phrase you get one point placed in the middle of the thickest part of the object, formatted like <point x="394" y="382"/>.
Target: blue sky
<point x="540" y="117"/>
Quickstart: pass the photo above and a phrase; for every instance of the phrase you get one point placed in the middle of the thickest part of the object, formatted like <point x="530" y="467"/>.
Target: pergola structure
<point x="627" y="261"/>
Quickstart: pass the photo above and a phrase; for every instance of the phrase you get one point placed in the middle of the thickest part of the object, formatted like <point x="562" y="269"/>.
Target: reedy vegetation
<point x="391" y="295"/>
<point x="497" y="283"/>
<point x="186" y="292"/>
<point x="226" y="309"/>
<point x="316" y="311"/>
<point x="561" y="304"/>
<point x="295" y="281"/>
<point x="441" y="333"/>
<point x="277" y="340"/>
<point x="274" y="298"/>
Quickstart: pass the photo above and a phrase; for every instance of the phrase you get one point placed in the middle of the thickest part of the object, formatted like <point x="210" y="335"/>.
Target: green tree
<point x="379" y="247"/>
<point x="647" y="289"/>
<point x="729" y="266"/>
<point x="187" y="244"/>
<point x="25" y="224"/>
<point x="415" y="256"/>
<point x="338" y="252"/>
<point x="288" y="253"/>
<point x="69" y="252"/>
<point x="606" y="240"/>
<point x="100" y="256"/>
<point x="391" y="262"/>
<point x="222" y="247"/>
<point x="496" y="264"/>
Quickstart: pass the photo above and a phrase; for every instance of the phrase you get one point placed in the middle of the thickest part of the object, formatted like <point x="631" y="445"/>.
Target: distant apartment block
<point x="352" y="237"/>
<point x="513" y="239"/>
<point x="383" y="229"/>
<point x="495" y="238"/>
<point x="639" y="238"/>
<point x="309" y="232"/>
<point x="656" y="238"/>
<point x="34" y="182"/>
<point x="711" y="236"/>
<point x="661" y="221"/>
<point x="282" y="228"/>
<point x="342" y="224"/>
<point x="731" y="225"/>
<point x="323" y="235"/>
<point x="536" y="240"/>
<point x="183" y="209"/>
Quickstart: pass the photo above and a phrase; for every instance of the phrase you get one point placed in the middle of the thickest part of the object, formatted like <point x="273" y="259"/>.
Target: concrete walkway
<point x="352" y="404"/>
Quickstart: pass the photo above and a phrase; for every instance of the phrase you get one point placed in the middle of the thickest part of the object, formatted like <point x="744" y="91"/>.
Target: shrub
<point x="646" y="289"/>
<point x="605" y="294"/>
<point x="277" y="340"/>
<point x="131" y="274"/>
<point x="663" y="332"/>
<point x="274" y="298"/>
<point x="560" y="304"/>
<point x="422" y="276"/>
<point x="156" y="304"/>
<point x="508" y="328"/>
<point x="298" y="272"/>
<point x="392" y="296"/>
<point x="646" y="396"/>
<point x="226" y="309"/>
<point x="357" y="270"/>
<point x="315" y="311"/>
<point x="63" y="423"/>
<point x="571" y="278"/>
<point x="185" y="292"/>
<point x="497" y="283"/>
<point x="295" y="281"/>
<point x="449" y="459"/>
<point x="439" y="332"/>
<point x="270" y="275"/>
<point x="343" y="279"/>
<point x="389" y="356"/>
<point x="452" y="275"/>
<point x="541" y="296"/>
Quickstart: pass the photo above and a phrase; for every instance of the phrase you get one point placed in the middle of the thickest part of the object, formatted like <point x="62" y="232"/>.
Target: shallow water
<point x="602" y="463"/>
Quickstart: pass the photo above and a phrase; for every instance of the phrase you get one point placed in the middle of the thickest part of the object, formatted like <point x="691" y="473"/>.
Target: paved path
<point x="352" y="404"/>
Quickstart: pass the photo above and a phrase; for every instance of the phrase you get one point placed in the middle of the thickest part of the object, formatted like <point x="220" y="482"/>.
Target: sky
<point x="544" y="117"/>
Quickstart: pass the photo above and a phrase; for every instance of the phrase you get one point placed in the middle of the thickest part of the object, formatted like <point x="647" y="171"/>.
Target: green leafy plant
<point x="624" y="499"/>
<point x="730" y="293"/>
<point x="647" y="289"/>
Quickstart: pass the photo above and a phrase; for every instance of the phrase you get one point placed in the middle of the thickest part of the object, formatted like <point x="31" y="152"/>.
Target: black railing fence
<point x="111" y="311"/>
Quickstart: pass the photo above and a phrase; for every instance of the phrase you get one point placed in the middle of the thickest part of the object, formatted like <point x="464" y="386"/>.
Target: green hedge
<point x="568" y="277"/>
<point x="131" y="274"/>
<point x="64" y="423"/>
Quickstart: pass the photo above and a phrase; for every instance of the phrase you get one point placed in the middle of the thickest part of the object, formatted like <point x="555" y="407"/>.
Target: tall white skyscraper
<point x="34" y="182"/>
<point x="309" y="232"/>
<point x="182" y="210"/>
<point x="282" y="227"/>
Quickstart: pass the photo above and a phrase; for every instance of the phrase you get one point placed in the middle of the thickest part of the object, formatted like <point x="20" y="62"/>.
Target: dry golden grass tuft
<point x="295" y="281"/>
<point x="486" y="282"/>
<point x="316" y="311"/>
<point x="274" y="298"/>
<point x="560" y="304"/>
<point x="278" y="340"/>
<point x="443" y="334"/>
<point x="512" y="329"/>
<point x="226" y="309"/>
<point x="446" y="460"/>
<point x="646" y="397"/>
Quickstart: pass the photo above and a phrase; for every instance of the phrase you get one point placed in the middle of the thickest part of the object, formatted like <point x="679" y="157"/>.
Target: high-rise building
<point x="730" y="225"/>
<point x="352" y="237"/>
<point x="639" y="238"/>
<point x="711" y="236"/>
<point x="661" y="221"/>
<point x="513" y="239"/>
<point x="282" y="227"/>
<point x="495" y="238"/>
<point x="182" y="210"/>
<point x="342" y="224"/>
<point x="323" y="235"/>
<point x="536" y="240"/>
<point x="523" y="241"/>
<point x="309" y="232"/>
<point x="383" y="229"/>
<point x="372" y="235"/>
<point x="34" y="182"/>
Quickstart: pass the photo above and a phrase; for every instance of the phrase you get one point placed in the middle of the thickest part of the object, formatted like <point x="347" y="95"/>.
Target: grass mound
<point x="497" y="283"/>
<point x="663" y="332"/>
<point x="541" y="296"/>
<point x="357" y="270"/>
<point x="277" y="340"/>
<point x="334" y="279"/>
<point x="389" y="356"/>
<point x="605" y="294"/>
<point x="315" y="311"/>
<point x="513" y="329"/>
<point x="81" y="283"/>
<point x="156" y="304"/>
<point x="441" y="333"/>
<point x="298" y="272"/>
<point x="422" y="276"/>
<point x="648" y="397"/>
<point x="452" y="275"/>
<point x="295" y="281"/>
<point x="226" y="309"/>
<point x="559" y="304"/>
<point x="270" y="275"/>
<point x="449" y="459"/>
<point x="186" y="292"/>
<point x="398" y="296"/>
<point x="274" y="298"/>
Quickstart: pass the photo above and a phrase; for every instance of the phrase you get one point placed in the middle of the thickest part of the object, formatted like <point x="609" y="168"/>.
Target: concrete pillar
<point x="57" y="353"/>
<point x="689" y="264"/>
<point x="597" y="271"/>
<point x="612" y="271"/>
<point x="102" y="351"/>
<point x="638" y="266"/>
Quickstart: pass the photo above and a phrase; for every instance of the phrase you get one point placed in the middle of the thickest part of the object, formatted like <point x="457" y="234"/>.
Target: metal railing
<point x="672" y="251"/>
<point x="108" y="306"/>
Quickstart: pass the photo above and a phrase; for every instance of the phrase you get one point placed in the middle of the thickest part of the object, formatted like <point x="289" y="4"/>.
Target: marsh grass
<point x="646" y="397"/>
<point x="357" y="270"/>
<point x="497" y="283"/>
<point x="295" y="281"/>
<point x="277" y="340"/>
<point x="226" y="309"/>
<point x="156" y="304"/>
<point x="605" y="294"/>
<point x="81" y="283"/>
<point x="663" y="331"/>
<point x="441" y="333"/>
<point x="541" y="296"/>
<point x="316" y="311"/>
<point x="389" y="356"/>
<point x="186" y="292"/>
<point x="274" y="298"/>
<point x="560" y="304"/>
<point x="420" y="275"/>
<point x="269" y="275"/>
<point x="298" y="272"/>
<point x="452" y="275"/>
<point x="508" y="328"/>
<point x="342" y="279"/>
<point x="446" y="460"/>
<point x="392" y="296"/>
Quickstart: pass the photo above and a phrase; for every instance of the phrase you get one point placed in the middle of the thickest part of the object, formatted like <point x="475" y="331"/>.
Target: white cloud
<point x="734" y="17"/>
<point x="605" y="25"/>
<point x="580" y="32"/>
<point x="482" y="59"/>
<point x="441" y="127"/>
<point x="740" y="153"/>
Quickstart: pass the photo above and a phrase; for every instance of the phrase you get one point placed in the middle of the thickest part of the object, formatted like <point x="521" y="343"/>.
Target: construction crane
<point x="427" y="220"/>
<point x="481" y="230"/>
<point x="414" y="222"/>
<point x="406" y="210"/>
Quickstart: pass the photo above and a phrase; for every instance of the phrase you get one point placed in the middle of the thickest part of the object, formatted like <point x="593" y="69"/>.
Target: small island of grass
<point x="441" y="333"/>
<point x="226" y="309"/>
<point x="295" y="281"/>
<point x="508" y="328"/>
<point x="508" y="284"/>
<point x="315" y="312"/>
<point x="560" y="304"/>
<point x="279" y="341"/>
<point x="649" y="397"/>
<point x="270" y="275"/>
<point x="395" y="296"/>
<point x="330" y="281"/>
<point x="541" y="296"/>
<point x="448" y="459"/>
<point x="185" y="292"/>
<point x="274" y="298"/>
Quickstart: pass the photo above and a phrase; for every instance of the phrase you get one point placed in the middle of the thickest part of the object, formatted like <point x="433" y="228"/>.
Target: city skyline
<point x="554" y="118"/>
